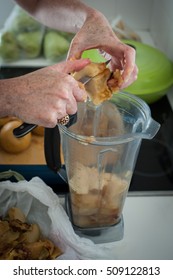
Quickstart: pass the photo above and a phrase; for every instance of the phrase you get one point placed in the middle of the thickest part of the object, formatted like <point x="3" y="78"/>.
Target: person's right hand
<point x="46" y="95"/>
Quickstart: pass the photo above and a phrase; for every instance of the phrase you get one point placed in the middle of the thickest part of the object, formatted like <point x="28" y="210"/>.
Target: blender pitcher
<point x="100" y="152"/>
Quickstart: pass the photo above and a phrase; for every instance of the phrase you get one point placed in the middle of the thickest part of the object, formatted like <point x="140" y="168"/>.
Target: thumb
<point x="74" y="51"/>
<point x="71" y="66"/>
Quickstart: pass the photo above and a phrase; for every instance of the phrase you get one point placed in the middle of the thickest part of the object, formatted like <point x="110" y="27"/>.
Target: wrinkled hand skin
<point x="49" y="94"/>
<point x="97" y="33"/>
<point x="43" y="96"/>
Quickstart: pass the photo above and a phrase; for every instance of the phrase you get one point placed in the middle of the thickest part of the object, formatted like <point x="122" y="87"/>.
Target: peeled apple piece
<point x="97" y="88"/>
<point x="15" y="213"/>
<point x="90" y="70"/>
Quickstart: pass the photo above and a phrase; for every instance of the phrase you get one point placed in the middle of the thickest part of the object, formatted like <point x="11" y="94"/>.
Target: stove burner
<point x="160" y="160"/>
<point x="154" y="166"/>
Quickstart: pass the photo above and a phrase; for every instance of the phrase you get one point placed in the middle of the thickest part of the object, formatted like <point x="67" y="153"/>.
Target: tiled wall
<point x="137" y="13"/>
<point x="5" y="9"/>
<point x="153" y="15"/>
<point x="162" y="25"/>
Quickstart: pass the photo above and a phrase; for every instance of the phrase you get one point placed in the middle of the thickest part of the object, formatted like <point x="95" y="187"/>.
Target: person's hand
<point x="46" y="95"/>
<point x="96" y="33"/>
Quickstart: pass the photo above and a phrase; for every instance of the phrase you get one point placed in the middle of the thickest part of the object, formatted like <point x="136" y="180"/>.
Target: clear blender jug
<point x="100" y="152"/>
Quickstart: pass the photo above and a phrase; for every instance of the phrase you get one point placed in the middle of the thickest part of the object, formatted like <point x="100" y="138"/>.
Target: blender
<point x="100" y="151"/>
<point x="100" y="146"/>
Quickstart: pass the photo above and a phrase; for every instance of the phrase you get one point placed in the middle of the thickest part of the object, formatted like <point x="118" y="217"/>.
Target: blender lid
<point x="155" y="69"/>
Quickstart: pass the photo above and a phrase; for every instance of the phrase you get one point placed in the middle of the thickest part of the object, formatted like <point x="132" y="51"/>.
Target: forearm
<point x="66" y="15"/>
<point x="6" y="91"/>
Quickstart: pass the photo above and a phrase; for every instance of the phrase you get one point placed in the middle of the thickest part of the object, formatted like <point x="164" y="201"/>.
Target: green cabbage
<point x="30" y="43"/>
<point x="23" y="22"/>
<point x="54" y="45"/>
<point x="9" y="50"/>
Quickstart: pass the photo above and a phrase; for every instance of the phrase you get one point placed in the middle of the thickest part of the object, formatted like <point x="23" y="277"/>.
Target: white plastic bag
<point x="41" y="205"/>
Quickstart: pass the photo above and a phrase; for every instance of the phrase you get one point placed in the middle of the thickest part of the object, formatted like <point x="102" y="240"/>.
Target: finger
<point x="79" y="91"/>
<point x="131" y="79"/>
<point x="74" y="51"/>
<point x="68" y="105"/>
<point x="71" y="66"/>
<point x="61" y="109"/>
<point x="123" y="59"/>
<point x="129" y="63"/>
<point x="71" y="106"/>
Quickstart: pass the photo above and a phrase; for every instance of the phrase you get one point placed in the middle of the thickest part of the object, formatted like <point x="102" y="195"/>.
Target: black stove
<point x="154" y="167"/>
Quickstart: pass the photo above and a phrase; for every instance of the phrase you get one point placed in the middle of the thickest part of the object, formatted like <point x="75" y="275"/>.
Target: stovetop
<point x="154" y="166"/>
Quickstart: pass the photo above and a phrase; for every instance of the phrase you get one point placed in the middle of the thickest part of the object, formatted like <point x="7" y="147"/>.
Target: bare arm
<point x="43" y="96"/>
<point x="65" y="15"/>
<point x="46" y="95"/>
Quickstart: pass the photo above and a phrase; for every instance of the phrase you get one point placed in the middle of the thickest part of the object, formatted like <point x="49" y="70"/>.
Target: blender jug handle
<point x="52" y="143"/>
<point x="152" y="129"/>
<point x="52" y="148"/>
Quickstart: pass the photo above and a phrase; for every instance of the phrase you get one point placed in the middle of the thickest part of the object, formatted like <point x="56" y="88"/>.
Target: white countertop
<point x="148" y="229"/>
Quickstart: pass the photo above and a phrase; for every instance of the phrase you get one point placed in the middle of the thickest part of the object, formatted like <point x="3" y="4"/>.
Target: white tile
<point x="162" y="26"/>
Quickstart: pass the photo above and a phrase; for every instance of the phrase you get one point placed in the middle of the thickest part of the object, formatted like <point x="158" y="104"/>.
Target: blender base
<point x="98" y="234"/>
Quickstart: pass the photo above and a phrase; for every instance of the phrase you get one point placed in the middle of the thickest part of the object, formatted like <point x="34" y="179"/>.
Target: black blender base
<point x="99" y="234"/>
<point x="102" y="235"/>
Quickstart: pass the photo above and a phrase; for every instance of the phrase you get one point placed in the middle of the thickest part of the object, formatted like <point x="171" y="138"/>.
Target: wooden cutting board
<point x="33" y="155"/>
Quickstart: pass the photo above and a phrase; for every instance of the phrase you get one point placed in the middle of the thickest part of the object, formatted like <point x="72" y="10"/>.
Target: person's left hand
<point x="96" y="33"/>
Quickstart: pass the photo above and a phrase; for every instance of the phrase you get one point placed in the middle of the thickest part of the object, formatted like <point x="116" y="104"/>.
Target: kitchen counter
<point x="148" y="229"/>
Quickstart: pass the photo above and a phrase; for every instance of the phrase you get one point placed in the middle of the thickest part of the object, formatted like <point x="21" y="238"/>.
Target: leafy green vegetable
<point x="23" y="22"/>
<point x="54" y="45"/>
<point x="9" y="50"/>
<point x="30" y="43"/>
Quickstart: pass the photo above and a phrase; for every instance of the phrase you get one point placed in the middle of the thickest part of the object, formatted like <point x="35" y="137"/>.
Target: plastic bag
<point x="21" y="37"/>
<point x="42" y="206"/>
